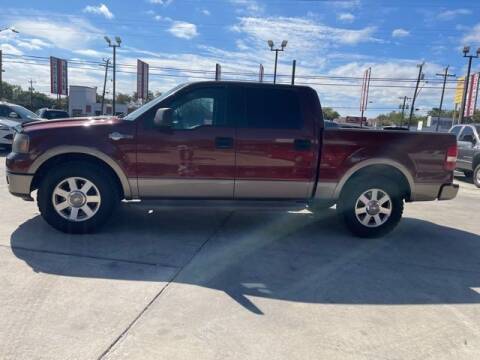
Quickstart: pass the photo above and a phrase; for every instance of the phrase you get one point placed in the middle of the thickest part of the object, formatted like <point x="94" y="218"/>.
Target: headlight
<point x="4" y="127"/>
<point x="21" y="143"/>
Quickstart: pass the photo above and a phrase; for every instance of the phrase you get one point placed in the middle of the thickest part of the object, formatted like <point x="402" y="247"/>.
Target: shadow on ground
<point x="286" y="256"/>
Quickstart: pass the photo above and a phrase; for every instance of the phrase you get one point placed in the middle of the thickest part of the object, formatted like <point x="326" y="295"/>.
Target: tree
<point x="15" y="94"/>
<point x="330" y="114"/>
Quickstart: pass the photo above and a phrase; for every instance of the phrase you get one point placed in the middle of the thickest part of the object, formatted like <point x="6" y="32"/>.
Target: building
<point x="82" y="101"/>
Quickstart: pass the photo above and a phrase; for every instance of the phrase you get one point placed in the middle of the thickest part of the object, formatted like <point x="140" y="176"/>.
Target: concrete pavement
<point x="214" y="284"/>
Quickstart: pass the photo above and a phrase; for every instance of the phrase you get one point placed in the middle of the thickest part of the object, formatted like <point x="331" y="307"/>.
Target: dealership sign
<point x="58" y="76"/>
<point x="471" y="95"/>
<point x="142" y="80"/>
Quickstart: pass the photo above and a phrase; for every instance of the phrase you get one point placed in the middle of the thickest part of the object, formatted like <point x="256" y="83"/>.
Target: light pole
<point x="466" y="50"/>
<point x="282" y="48"/>
<point x="117" y="43"/>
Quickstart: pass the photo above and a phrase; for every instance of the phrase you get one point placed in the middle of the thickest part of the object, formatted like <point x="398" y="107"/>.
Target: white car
<point x="7" y="131"/>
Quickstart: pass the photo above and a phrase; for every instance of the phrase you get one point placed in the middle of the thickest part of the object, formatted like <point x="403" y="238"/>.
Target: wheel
<point x="467" y="173"/>
<point x="371" y="207"/>
<point x="476" y="176"/>
<point x="77" y="197"/>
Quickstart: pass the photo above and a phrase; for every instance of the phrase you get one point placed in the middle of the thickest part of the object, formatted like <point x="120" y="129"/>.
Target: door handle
<point x="115" y="136"/>
<point x="224" y="142"/>
<point x="302" y="144"/>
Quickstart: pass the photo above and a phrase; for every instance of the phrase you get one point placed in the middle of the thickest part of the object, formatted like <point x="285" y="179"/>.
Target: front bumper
<point x="20" y="185"/>
<point x="448" y="192"/>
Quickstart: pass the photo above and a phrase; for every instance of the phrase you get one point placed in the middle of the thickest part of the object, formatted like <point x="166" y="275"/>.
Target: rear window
<point x="55" y="114"/>
<point x="272" y="109"/>
<point x="455" y="130"/>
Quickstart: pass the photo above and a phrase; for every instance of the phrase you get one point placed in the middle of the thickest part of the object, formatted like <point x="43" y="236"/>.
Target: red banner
<point x="142" y="80"/>
<point x="58" y="76"/>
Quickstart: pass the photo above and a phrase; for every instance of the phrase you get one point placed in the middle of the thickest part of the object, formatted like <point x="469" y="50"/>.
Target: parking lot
<point x="218" y="284"/>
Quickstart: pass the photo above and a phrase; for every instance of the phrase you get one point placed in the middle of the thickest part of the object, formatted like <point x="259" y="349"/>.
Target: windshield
<point x="52" y="114"/>
<point x="25" y="114"/>
<point x="133" y="115"/>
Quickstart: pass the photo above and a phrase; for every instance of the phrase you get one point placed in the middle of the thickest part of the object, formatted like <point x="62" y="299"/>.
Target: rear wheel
<point x="476" y="176"/>
<point x="371" y="207"/>
<point x="77" y="197"/>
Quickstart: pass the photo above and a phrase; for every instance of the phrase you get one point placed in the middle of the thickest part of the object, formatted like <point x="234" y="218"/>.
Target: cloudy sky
<point x="332" y="41"/>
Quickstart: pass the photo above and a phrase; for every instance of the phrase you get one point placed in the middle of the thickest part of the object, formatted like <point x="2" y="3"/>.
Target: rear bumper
<point x="19" y="184"/>
<point x="448" y="192"/>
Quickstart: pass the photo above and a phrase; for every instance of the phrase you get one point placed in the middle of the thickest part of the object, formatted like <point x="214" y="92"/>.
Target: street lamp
<point x="283" y="45"/>
<point x="466" y="51"/>
<point x="117" y="43"/>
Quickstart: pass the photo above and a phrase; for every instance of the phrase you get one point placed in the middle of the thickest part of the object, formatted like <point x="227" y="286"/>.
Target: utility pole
<point x="445" y="76"/>
<point x="1" y="77"/>
<point x="282" y="48"/>
<point x="412" y="106"/>
<point x="294" y="67"/>
<point x="31" y="93"/>
<point x="114" y="46"/>
<point x="405" y="98"/>
<point x="107" y="61"/>
<point x="466" y="50"/>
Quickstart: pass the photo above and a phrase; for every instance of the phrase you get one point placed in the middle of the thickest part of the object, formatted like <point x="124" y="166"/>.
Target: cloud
<point x="101" y="9"/>
<point x="345" y="4"/>
<point x="71" y="33"/>
<point x="472" y="36"/>
<point x="161" y="2"/>
<point x="183" y="30"/>
<point x="33" y="44"/>
<point x="451" y="14"/>
<point x="10" y="49"/>
<point x="399" y="33"/>
<point x="206" y="12"/>
<point x="346" y="17"/>
<point x="250" y="7"/>
<point x="91" y="53"/>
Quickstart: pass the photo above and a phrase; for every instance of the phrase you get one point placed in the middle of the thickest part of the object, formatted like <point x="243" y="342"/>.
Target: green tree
<point x="330" y="114"/>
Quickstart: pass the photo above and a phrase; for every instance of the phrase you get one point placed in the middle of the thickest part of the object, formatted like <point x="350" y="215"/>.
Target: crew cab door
<point x="194" y="158"/>
<point x="466" y="143"/>
<point x="276" y="144"/>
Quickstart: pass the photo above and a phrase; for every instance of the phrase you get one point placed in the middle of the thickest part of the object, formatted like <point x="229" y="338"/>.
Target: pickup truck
<point x="468" y="138"/>
<point x="227" y="144"/>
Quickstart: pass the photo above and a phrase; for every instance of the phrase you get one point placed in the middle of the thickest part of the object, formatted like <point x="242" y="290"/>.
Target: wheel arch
<point x="59" y="155"/>
<point x="380" y="167"/>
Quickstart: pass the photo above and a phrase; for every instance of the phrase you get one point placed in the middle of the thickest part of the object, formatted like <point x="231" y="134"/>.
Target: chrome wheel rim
<point x="76" y="199"/>
<point x="373" y="208"/>
<point x="478" y="176"/>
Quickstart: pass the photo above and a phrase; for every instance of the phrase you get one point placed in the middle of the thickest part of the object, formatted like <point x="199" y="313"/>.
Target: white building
<point x="82" y="101"/>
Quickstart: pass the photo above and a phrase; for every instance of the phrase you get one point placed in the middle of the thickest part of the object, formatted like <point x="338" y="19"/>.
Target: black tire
<point x="476" y="176"/>
<point x="107" y="188"/>
<point x="467" y="173"/>
<point x="348" y="204"/>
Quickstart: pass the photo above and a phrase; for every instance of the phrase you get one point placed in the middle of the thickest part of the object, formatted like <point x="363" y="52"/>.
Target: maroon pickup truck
<point x="227" y="143"/>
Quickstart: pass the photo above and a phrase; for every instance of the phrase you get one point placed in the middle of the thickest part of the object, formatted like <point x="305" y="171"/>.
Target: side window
<point x="202" y="107"/>
<point x="5" y="111"/>
<point x="269" y="108"/>
<point x="467" y="134"/>
<point x="455" y="130"/>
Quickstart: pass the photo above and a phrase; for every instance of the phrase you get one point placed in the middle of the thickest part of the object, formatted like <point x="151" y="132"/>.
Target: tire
<point x="373" y="219"/>
<point x="57" y="200"/>
<point x="476" y="176"/>
<point x="467" y="173"/>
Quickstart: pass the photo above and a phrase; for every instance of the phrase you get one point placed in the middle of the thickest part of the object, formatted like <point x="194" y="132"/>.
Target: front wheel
<point x="77" y="197"/>
<point x="476" y="176"/>
<point x="371" y="208"/>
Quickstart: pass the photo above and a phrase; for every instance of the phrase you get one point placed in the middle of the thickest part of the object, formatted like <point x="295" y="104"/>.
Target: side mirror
<point x="13" y="115"/>
<point x="163" y="118"/>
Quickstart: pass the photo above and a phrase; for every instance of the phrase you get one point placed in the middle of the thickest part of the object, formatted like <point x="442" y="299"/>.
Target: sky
<point x="333" y="42"/>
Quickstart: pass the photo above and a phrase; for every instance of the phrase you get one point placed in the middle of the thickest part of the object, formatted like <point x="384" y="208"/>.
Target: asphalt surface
<point x="218" y="284"/>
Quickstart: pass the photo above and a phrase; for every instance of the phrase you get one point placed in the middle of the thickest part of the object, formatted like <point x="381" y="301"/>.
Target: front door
<point x="276" y="145"/>
<point x="193" y="159"/>
<point x="466" y="148"/>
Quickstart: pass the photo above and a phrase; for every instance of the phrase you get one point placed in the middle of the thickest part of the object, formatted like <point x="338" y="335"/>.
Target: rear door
<point x="276" y="146"/>
<point x="466" y="148"/>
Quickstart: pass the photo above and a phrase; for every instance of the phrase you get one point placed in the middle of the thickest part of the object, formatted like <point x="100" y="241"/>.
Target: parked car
<point x="468" y="137"/>
<point x="50" y="114"/>
<point x="227" y="143"/>
<point x="12" y="115"/>
<point x="17" y="113"/>
<point x="330" y="124"/>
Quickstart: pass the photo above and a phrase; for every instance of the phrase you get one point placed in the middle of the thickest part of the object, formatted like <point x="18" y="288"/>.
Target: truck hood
<point x="70" y="122"/>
